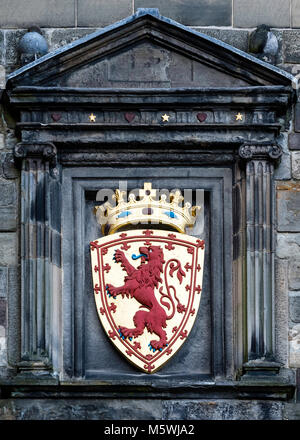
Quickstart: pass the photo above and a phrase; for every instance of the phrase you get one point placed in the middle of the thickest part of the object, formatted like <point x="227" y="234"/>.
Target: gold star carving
<point x="239" y="117"/>
<point x="92" y="118"/>
<point x="165" y="118"/>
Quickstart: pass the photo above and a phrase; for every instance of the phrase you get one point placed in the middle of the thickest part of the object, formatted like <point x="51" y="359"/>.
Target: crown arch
<point x="148" y="99"/>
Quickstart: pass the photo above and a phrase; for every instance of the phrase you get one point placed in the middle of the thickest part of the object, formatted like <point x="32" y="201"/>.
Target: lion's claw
<point x="123" y="336"/>
<point x="156" y="345"/>
<point x="118" y="256"/>
<point x="109" y="292"/>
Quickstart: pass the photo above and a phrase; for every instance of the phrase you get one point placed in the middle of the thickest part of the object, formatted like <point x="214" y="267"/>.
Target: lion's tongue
<point x="142" y="256"/>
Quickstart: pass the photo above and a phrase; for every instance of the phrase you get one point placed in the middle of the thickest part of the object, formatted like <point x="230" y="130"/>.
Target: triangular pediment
<point x="147" y="50"/>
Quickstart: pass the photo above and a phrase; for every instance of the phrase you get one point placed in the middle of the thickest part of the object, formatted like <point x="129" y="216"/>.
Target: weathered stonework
<point x="294" y="339"/>
<point x="193" y="12"/>
<point x="291" y="46"/>
<point x="8" y="248"/>
<point x="3" y="281"/>
<point x="281" y="310"/>
<point x="46" y="12"/>
<point x="60" y="37"/>
<point x="74" y="141"/>
<point x="2" y="144"/>
<point x="296" y="166"/>
<point x="99" y="12"/>
<point x="295" y="13"/>
<point x="288" y="207"/>
<point x="294" y="302"/>
<point x="294" y="274"/>
<point x="274" y="13"/>
<point x="288" y="245"/>
<point x="283" y="170"/>
<point x="3" y="353"/>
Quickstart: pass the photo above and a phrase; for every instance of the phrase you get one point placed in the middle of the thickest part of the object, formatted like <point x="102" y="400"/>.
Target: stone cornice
<point x="257" y="96"/>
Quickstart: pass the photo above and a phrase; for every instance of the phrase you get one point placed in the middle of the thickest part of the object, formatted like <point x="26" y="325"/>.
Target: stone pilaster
<point x="260" y="216"/>
<point x="36" y="238"/>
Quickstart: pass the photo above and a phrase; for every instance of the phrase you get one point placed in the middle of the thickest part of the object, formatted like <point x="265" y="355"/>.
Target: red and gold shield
<point x="147" y="287"/>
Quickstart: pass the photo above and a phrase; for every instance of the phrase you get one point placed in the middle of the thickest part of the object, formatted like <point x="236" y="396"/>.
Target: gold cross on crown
<point x="147" y="191"/>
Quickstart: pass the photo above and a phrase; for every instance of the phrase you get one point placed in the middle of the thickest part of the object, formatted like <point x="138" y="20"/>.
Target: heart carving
<point x="201" y="117"/>
<point x="129" y="117"/>
<point x="56" y="117"/>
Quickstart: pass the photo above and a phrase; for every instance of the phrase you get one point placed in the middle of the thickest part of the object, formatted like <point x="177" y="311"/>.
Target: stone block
<point x="43" y="13"/>
<point x="288" y="207"/>
<point x="294" y="346"/>
<point x="81" y="409"/>
<point x="100" y="13"/>
<point x="291" y="46"/>
<point x="283" y="170"/>
<point x="193" y="12"/>
<point x="297" y="116"/>
<point x="238" y="38"/>
<point x="2" y="48"/>
<point x="13" y="315"/>
<point x="274" y="13"/>
<point x="281" y="310"/>
<point x="3" y="281"/>
<point x="296" y="165"/>
<point x="292" y="411"/>
<point x="220" y="409"/>
<point x="8" y="194"/>
<point x="294" y="274"/>
<point x="294" y="141"/>
<point x="2" y="77"/>
<point x="2" y="138"/>
<point x="60" y="37"/>
<point x="8" y="248"/>
<point x="288" y="245"/>
<point x="294" y="306"/>
<point x="3" y="312"/>
<point x="12" y="38"/>
<point x="10" y="171"/>
<point x="8" y="218"/>
<point x="3" y="352"/>
<point x="295" y="13"/>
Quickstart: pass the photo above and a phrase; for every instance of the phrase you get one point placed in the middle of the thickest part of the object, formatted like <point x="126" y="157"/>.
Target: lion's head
<point x="154" y="257"/>
<point x="151" y="254"/>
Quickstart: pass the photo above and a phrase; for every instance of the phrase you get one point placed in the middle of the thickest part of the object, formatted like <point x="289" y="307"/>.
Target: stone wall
<point x="232" y="21"/>
<point x="98" y="13"/>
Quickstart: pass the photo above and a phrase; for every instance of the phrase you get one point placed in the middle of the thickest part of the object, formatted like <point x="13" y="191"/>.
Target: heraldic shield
<point x="147" y="282"/>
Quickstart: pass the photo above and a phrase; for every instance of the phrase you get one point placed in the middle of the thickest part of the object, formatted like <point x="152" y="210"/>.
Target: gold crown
<point x="146" y="210"/>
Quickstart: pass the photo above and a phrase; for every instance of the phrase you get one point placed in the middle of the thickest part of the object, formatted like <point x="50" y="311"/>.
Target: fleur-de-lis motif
<point x="200" y="243"/>
<point x="198" y="289"/>
<point x="112" y="334"/>
<point x="94" y="245"/>
<point x="107" y="268"/>
<point x="183" y="334"/>
<point x="125" y="247"/>
<point x="169" y="246"/>
<point x="149" y="367"/>
<point x="148" y="233"/>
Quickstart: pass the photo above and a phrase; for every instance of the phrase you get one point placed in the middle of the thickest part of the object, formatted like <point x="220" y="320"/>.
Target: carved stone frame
<point x="46" y="149"/>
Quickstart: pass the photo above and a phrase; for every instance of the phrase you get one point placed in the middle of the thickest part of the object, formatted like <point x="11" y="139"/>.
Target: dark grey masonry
<point x="274" y="13"/>
<point x="193" y="12"/>
<point x="235" y="365"/>
<point x="44" y="13"/>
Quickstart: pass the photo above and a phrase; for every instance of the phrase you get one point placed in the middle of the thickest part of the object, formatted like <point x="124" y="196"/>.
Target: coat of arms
<point x="147" y="282"/>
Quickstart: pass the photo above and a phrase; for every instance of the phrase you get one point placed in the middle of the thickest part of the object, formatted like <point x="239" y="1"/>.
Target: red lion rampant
<point x="140" y="284"/>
